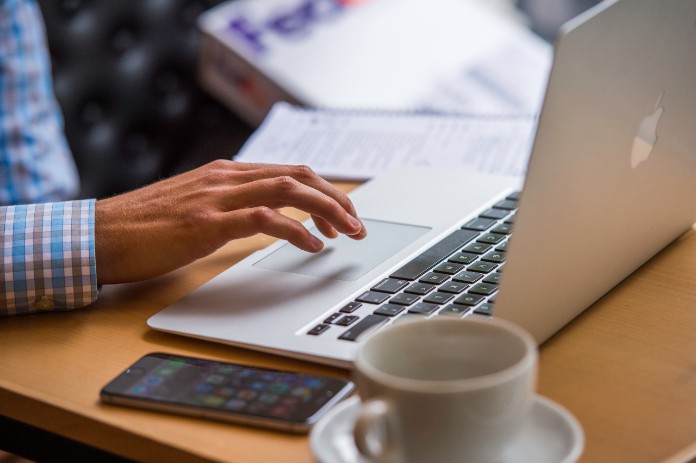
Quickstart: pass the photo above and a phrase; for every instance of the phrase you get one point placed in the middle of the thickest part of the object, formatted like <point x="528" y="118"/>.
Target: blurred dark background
<point x="125" y="77"/>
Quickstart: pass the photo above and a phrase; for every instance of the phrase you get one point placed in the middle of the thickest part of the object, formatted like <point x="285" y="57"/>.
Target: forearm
<point x="47" y="257"/>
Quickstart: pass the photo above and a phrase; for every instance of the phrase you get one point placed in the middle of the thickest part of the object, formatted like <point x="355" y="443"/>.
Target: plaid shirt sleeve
<point x="47" y="257"/>
<point x="35" y="161"/>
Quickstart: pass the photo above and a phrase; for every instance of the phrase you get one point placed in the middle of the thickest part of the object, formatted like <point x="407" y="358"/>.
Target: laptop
<point x="611" y="181"/>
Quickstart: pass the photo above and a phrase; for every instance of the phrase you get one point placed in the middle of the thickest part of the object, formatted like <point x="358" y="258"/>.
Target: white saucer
<point x="553" y="435"/>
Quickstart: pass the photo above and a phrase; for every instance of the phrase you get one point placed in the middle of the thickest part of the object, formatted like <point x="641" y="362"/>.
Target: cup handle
<point x="372" y="434"/>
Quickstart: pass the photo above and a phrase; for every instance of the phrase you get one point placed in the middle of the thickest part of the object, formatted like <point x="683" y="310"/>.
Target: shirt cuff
<point x="48" y="257"/>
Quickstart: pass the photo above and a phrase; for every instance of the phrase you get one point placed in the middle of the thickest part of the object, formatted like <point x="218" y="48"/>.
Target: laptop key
<point x="494" y="256"/>
<point x="467" y="277"/>
<point x="449" y="268"/>
<point x="493" y="278"/>
<point x="438" y="298"/>
<point x="453" y="287"/>
<point x="502" y="246"/>
<point x="370" y="322"/>
<point x="504" y="228"/>
<point x="423" y="308"/>
<point x="317" y="330"/>
<point x="332" y="318"/>
<point x="468" y="299"/>
<point x="350" y="307"/>
<point x="390" y="310"/>
<point x="507" y="204"/>
<point x="427" y="260"/>
<point x="482" y="267"/>
<point x="347" y="320"/>
<point x="479" y="224"/>
<point x="476" y="248"/>
<point x="484" y="309"/>
<point x="404" y="299"/>
<point x="390" y="285"/>
<point x="420" y="288"/>
<point x="435" y="278"/>
<point x="462" y="258"/>
<point x="491" y="238"/>
<point x="454" y="310"/>
<point x="483" y="288"/>
<point x="494" y="214"/>
<point x="372" y="297"/>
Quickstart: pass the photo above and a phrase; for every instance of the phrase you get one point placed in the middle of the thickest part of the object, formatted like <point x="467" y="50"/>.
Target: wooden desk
<point x="626" y="368"/>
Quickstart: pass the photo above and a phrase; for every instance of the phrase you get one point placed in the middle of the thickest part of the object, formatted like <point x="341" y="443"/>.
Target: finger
<point x="302" y="174"/>
<point x="325" y="227"/>
<point x="237" y="173"/>
<point x="330" y="232"/>
<point x="307" y="176"/>
<point x="249" y="222"/>
<point x="285" y="191"/>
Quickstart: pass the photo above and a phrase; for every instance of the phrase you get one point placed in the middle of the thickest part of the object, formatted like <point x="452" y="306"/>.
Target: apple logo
<point x="645" y="139"/>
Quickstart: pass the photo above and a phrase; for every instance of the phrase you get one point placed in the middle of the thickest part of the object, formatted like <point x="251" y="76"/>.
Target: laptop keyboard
<point x="457" y="277"/>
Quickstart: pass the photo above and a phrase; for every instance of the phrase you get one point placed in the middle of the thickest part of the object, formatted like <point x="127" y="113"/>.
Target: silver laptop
<point x="611" y="181"/>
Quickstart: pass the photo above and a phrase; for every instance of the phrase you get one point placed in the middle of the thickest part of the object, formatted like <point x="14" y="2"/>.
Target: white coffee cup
<point x="444" y="390"/>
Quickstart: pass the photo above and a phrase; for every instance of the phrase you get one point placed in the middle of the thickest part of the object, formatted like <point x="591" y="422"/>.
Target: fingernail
<point x="317" y="244"/>
<point x="354" y="222"/>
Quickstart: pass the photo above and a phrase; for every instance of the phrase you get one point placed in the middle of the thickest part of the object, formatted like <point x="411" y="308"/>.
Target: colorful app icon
<point x="235" y="404"/>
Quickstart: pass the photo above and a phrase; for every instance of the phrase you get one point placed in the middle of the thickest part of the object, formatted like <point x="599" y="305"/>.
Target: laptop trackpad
<point x="344" y="258"/>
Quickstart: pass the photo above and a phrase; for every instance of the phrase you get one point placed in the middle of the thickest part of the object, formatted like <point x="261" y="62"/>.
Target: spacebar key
<point x="424" y="262"/>
<point x="367" y="323"/>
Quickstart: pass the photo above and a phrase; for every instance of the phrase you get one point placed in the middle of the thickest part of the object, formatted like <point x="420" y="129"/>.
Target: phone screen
<point x="238" y="393"/>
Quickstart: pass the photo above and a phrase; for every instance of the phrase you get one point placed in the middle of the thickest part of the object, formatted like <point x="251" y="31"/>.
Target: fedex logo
<point x="293" y="22"/>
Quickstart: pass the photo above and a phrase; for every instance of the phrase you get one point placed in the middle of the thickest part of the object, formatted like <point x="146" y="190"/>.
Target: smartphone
<point x="268" y="398"/>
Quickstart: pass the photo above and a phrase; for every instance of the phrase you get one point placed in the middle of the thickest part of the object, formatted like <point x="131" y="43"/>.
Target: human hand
<point x="171" y="223"/>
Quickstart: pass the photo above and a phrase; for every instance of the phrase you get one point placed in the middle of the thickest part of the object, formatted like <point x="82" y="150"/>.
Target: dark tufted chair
<point x="125" y="77"/>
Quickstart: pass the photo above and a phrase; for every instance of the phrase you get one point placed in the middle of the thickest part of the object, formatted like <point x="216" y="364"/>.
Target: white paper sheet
<point x="349" y="145"/>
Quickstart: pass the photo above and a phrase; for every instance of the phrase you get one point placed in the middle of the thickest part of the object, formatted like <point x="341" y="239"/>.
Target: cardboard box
<point x="368" y="54"/>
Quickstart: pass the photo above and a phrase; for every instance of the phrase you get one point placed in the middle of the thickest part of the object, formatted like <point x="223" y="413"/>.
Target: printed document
<point x="355" y="145"/>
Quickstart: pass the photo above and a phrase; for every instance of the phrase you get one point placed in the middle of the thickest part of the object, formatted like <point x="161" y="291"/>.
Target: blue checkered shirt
<point x="47" y="256"/>
<point x="47" y="250"/>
